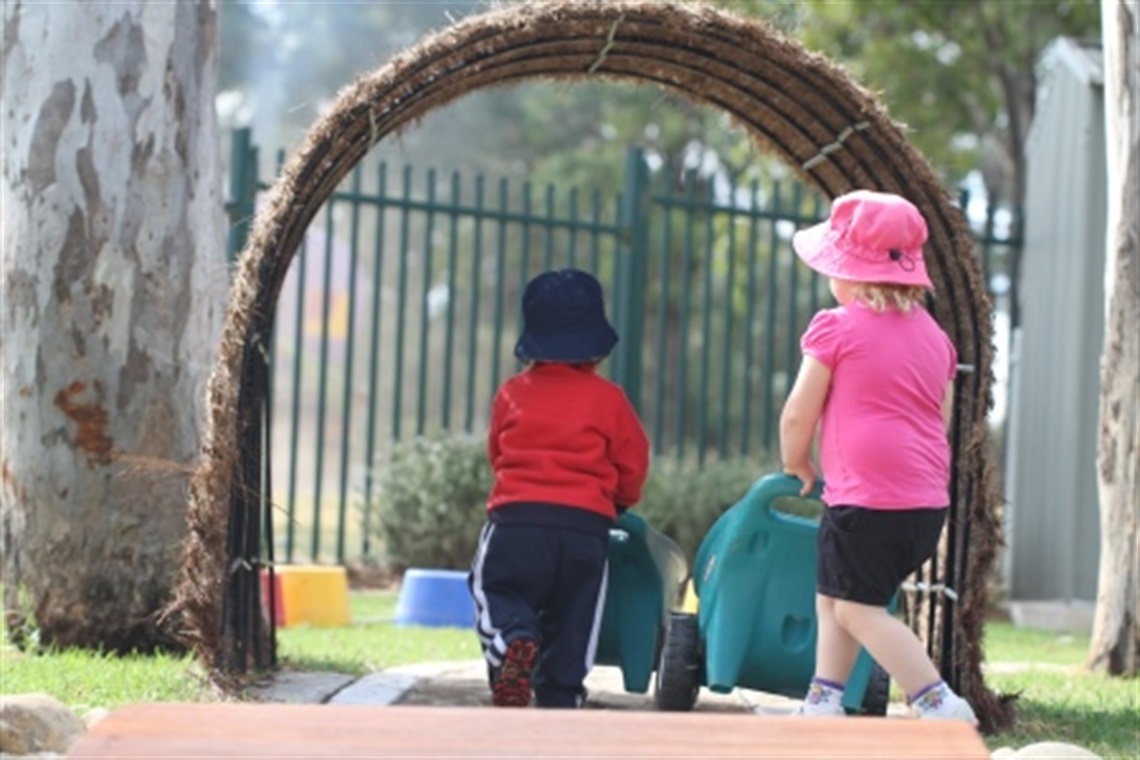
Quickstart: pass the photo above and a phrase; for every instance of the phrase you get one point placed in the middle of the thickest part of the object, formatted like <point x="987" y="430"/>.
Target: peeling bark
<point x="1115" y="646"/>
<point x="114" y="281"/>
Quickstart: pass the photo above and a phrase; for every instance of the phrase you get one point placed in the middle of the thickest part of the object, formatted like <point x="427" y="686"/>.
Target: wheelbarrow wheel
<point x="679" y="666"/>
<point x="878" y="692"/>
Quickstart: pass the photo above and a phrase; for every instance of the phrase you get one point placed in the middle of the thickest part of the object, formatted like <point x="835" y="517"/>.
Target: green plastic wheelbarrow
<point x="755" y="626"/>
<point x="647" y="573"/>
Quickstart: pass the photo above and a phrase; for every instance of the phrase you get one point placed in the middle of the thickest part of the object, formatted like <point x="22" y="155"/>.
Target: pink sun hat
<point x="869" y="237"/>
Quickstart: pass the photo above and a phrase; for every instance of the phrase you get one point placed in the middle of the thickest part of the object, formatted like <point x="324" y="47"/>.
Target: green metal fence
<point x="400" y="312"/>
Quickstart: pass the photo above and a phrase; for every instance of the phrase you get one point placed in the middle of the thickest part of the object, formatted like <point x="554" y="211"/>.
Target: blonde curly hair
<point x="881" y="296"/>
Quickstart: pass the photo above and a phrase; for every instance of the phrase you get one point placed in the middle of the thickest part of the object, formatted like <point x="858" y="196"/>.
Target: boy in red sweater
<point x="569" y="454"/>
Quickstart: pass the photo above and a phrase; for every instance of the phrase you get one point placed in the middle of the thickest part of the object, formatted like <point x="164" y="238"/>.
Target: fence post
<point x="631" y="280"/>
<point x="243" y="188"/>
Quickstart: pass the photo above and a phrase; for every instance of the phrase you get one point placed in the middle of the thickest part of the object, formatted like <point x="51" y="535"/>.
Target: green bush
<point x="432" y="493"/>
<point x="683" y="500"/>
<point x="431" y="502"/>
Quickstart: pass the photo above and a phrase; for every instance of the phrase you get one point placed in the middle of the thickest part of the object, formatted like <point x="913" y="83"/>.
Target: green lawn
<point x="1058" y="701"/>
<point x="373" y="642"/>
<point x="84" y="680"/>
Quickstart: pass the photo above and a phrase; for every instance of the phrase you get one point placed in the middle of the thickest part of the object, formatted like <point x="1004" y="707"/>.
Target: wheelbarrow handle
<point x="789" y="485"/>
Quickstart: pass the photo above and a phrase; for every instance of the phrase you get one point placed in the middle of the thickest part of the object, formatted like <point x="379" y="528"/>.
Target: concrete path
<point x="464" y="684"/>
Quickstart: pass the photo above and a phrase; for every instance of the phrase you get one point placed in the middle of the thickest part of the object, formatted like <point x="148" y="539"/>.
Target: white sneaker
<point x="822" y="710"/>
<point x="821" y="700"/>
<point x="943" y="704"/>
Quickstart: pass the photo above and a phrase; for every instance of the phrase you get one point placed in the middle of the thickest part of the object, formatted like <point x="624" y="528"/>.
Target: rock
<point x="33" y="723"/>
<point x="1055" y="751"/>
<point x="94" y="715"/>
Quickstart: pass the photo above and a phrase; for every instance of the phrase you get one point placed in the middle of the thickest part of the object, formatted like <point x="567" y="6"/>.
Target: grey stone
<point x="33" y="723"/>
<point x="94" y="715"/>
<point x="295" y="687"/>
<point x="1055" y="751"/>
<point x="375" y="689"/>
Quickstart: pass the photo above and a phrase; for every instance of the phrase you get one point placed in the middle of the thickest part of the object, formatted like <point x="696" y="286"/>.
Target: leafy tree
<point x="961" y="75"/>
<point x="241" y="30"/>
<point x="286" y="61"/>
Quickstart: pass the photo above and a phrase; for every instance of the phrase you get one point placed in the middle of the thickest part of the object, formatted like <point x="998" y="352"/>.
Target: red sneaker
<point x="512" y="684"/>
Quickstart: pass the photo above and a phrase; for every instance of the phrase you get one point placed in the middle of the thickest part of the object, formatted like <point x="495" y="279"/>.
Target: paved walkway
<point x="464" y="684"/>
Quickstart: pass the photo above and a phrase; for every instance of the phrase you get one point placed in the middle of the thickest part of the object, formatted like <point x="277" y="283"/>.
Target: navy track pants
<point x="547" y="584"/>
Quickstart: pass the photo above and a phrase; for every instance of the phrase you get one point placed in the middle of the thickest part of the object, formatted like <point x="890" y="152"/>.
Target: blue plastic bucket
<point x="435" y="598"/>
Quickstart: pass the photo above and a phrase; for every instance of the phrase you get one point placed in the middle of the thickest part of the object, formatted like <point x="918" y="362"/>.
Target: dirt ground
<point x="467" y="687"/>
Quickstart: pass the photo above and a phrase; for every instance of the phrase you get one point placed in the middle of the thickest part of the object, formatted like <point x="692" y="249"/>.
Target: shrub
<point x="683" y="500"/>
<point x="431" y="502"/>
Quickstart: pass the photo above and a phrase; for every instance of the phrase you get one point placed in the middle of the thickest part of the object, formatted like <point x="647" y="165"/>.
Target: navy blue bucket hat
<point x="564" y="319"/>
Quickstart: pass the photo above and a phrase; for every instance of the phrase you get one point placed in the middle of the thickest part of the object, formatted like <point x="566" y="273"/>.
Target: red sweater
<point x="562" y="434"/>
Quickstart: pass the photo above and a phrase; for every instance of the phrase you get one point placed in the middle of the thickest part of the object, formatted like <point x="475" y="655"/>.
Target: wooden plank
<point x="332" y="731"/>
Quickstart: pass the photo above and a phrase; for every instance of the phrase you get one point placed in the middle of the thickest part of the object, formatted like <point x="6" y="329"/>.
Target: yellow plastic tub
<point x="314" y="595"/>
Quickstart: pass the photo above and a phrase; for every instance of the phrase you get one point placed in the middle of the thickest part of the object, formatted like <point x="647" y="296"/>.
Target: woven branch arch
<point x="800" y="106"/>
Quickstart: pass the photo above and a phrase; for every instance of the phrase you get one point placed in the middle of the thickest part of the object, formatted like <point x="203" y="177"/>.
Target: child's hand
<point x="805" y="472"/>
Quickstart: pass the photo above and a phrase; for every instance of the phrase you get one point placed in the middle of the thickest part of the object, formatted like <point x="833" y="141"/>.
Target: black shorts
<point x="864" y="554"/>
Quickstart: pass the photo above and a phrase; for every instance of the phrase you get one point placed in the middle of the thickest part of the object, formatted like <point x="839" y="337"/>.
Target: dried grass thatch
<point x="797" y="105"/>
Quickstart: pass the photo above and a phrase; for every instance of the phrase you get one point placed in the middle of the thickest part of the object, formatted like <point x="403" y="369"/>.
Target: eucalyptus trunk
<point x="1116" y="634"/>
<point x="114" y="281"/>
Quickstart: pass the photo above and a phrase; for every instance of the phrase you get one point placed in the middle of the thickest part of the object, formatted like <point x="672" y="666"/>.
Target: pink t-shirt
<point x="882" y="443"/>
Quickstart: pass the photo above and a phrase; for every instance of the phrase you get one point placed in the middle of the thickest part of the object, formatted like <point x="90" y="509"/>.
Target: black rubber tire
<point x="878" y="693"/>
<point x="678" y="679"/>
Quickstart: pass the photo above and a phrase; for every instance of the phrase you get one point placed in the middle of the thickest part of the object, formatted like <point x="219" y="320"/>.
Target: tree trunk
<point x="1116" y="637"/>
<point x="114" y="283"/>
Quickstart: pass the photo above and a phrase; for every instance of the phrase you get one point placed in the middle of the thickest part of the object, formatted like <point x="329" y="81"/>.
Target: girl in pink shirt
<point x="876" y="381"/>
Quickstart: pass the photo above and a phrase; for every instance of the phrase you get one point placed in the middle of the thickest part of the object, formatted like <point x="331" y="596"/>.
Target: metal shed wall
<point x="1053" y="529"/>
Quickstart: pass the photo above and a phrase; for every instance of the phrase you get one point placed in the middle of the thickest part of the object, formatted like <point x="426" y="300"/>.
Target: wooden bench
<point x="334" y="731"/>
